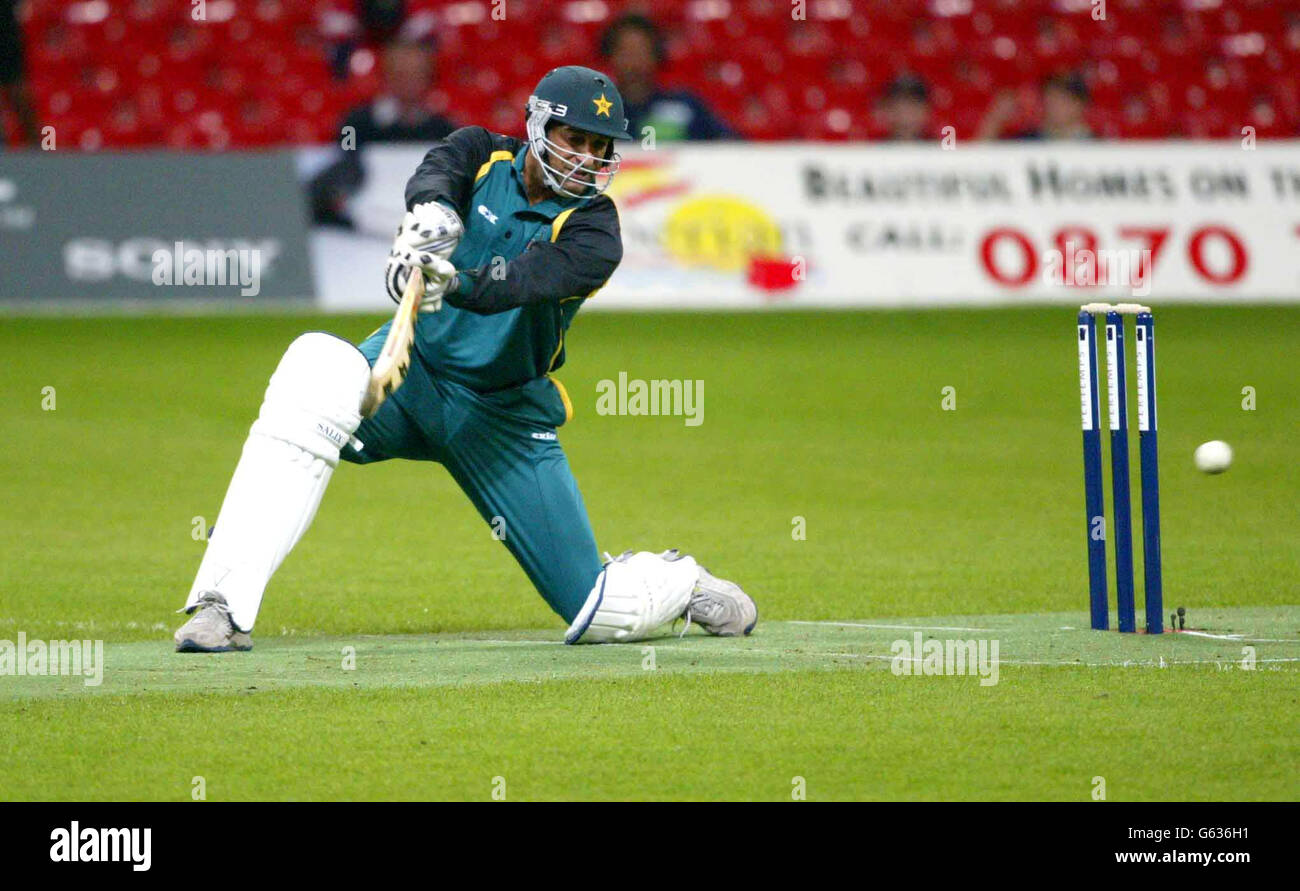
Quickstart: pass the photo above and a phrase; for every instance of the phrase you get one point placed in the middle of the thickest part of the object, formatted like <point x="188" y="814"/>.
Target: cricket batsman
<point x="510" y="237"/>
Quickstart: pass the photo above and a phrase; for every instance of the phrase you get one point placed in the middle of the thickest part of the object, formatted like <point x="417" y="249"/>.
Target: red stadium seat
<point x="257" y="72"/>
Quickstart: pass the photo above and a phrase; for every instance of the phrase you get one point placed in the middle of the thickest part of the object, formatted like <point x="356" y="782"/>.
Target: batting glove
<point x="429" y="228"/>
<point x="429" y="231"/>
<point x="438" y="277"/>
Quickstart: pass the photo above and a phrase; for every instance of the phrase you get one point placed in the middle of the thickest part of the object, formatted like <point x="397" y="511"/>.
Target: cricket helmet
<point x="584" y="99"/>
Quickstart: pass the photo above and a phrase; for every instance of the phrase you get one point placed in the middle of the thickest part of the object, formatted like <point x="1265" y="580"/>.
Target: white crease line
<point x="1238" y="637"/>
<point x="896" y="627"/>
<point x="1127" y="663"/>
<point x="461" y="643"/>
<point x="1233" y="637"/>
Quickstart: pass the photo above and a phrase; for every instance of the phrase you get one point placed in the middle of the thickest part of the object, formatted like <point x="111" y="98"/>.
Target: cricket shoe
<point x="210" y="629"/>
<point x="717" y="605"/>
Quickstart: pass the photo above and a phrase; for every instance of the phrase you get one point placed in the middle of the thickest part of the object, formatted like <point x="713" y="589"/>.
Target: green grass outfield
<point x="961" y="524"/>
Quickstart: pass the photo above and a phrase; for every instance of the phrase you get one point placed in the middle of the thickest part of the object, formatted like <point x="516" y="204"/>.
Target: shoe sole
<point x="189" y="646"/>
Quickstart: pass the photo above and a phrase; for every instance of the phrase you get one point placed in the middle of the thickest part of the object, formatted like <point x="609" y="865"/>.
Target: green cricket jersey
<point x="523" y="270"/>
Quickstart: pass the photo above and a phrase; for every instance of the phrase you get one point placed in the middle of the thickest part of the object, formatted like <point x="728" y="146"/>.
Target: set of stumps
<point x="1117" y="404"/>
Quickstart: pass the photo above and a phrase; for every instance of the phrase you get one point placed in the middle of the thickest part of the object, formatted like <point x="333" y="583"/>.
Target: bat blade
<point x="390" y="368"/>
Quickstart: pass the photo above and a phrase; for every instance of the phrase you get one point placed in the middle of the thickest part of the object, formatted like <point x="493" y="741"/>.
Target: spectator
<point x="1065" y="105"/>
<point x="397" y="114"/>
<point x="13" y="84"/>
<point x="634" y="48"/>
<point x="905" y="109"/>
<point x="370" y="23"/>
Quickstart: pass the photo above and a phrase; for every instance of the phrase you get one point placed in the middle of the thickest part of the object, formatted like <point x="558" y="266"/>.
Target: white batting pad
<point x="633" y="596"/>
<point x="311" y="410"/>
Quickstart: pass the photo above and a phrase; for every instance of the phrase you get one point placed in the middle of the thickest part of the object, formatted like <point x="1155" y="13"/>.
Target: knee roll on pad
<point x="314" y="398"/>
<point x="632" y="597"/>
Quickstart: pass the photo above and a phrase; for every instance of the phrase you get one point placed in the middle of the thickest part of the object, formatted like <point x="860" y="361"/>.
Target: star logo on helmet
<point x="603" y="105"/>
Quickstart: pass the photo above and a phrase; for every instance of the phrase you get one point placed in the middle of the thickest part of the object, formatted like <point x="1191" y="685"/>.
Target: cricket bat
<point x="389" y="370"/>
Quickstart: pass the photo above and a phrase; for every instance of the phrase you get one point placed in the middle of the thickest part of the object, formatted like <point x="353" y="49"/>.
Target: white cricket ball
<point x="1213" y="456"/>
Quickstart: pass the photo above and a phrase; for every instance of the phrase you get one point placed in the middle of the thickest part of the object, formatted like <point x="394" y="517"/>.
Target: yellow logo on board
<point x="722" y="232"/>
